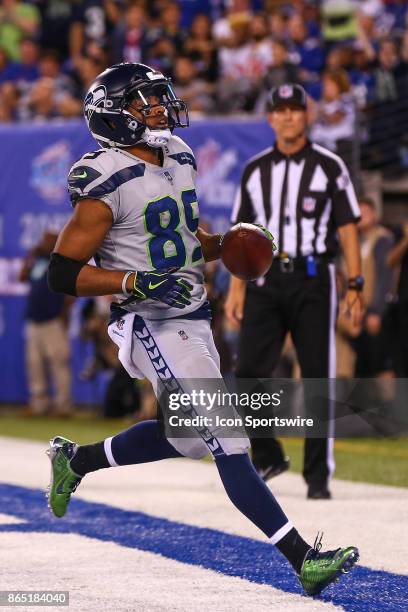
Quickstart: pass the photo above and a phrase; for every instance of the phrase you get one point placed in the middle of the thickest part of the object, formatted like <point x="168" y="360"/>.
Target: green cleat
<point x="63" y="480"/>
<point x="321" y="569"/>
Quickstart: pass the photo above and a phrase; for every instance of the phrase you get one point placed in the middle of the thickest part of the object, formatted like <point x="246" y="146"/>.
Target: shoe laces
<point x="317" y="546"/>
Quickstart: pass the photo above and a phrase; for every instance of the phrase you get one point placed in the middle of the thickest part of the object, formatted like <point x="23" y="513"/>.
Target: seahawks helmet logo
<point x="95" y="99"/>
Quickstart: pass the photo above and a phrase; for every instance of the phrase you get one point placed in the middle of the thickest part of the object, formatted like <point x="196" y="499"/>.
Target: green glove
<point x="268" y="235"/>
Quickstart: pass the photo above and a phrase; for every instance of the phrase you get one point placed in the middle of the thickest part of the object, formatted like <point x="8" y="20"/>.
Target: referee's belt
<point x="286" y="264"/>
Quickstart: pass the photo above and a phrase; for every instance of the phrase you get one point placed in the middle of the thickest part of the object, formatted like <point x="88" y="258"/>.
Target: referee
<point x="303" y="194"/>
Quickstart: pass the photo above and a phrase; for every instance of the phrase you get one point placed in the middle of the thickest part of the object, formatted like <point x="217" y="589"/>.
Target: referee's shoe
<point x="270" y="471"/>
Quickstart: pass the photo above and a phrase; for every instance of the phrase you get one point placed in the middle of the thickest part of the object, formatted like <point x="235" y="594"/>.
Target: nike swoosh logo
<point x="83" y="175"/>
<point x="60" y="486"/>
<point x="156" y="285"/>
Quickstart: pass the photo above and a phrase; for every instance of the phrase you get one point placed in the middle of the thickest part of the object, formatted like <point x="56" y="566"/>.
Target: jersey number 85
<point x="166" y="247"/>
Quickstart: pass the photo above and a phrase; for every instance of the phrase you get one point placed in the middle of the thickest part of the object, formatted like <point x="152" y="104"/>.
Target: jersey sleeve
<point x="182" y="153"/>
<point x="93" y="176"/>
<point x="344" y="201"/>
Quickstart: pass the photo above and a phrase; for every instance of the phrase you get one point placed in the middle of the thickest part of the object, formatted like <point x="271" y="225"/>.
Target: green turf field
<point x="380" y="461"/>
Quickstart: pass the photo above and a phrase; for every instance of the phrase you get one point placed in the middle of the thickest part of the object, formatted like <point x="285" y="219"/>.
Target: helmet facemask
<point x="143" y="99"/>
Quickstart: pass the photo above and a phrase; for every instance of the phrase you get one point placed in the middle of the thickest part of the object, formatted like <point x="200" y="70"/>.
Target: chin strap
<point x="156" y="138"/>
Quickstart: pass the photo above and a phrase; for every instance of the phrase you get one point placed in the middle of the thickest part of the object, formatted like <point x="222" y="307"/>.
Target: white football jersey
<point x="155" y="217"/>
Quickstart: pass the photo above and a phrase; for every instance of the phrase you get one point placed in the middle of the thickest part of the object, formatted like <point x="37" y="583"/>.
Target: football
<point x="246" y="251"/>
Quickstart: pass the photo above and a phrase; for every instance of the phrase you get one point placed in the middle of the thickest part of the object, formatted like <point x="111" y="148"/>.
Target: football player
<point x="136" y="213"/>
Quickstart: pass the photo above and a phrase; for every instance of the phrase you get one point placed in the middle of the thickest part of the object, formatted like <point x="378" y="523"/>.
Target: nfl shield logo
<point x="309" y="204"/>
<point x="286" y="91"/>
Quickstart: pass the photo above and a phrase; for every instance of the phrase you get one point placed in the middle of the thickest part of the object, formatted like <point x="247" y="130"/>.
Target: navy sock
<point x="249" y="493"/>
<point x="142" y="443"/>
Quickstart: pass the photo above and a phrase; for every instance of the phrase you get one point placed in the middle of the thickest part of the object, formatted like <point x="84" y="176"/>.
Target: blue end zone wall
<point x="35" y="160"/>
<point x="363" y="590"/>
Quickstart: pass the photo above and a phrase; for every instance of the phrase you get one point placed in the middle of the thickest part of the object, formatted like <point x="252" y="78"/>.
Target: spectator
<point x="16" y="78"/>
<point x="373" y="356"/>
<point x="200" y="45"/>
<point x="278" y="25"/>
<point x="170" y="18"/>
<point x="398" y="258"/>
<point x="339" y="22"/>
<point x="5" y="67"/>
<point x="88" y="69"/>
<point x="161" y="55"/>
<point x="388" y="120"/>
<point x="128" y="39"/>
<point x="193" y="90"/>
<point x="26" y="70"/>
<point x="8" y="102"/>
<point x="50" y="68"/>
<point x="261" y="55"/>
<point x="361" y="76"/>
<point x="56" y="25"/>
<point x="166" y="41"/>
<point x="92" y="20"/>
<point x="335" y="122"/>
<point x="393" y="17"/>
<point x="47" y="347"/>
<point x="279" y="72"/>
<point x="237" y="89"/>
<point x="17" y="20"/>
<point x="305" y="51"/>
<point x="44" y="101"/>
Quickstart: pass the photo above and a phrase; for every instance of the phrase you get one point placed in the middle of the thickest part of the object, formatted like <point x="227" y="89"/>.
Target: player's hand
<point x="268" y="235"/>
<point x="354" y="306"/>
<point x="163" y="287"/>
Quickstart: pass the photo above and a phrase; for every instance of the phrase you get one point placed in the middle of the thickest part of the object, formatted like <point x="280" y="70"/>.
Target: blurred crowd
<point x="224" y="56"/>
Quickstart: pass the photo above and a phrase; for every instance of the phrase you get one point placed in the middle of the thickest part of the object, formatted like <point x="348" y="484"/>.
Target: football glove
<point x="163" y="287"/>
<point x="268" y="235"/>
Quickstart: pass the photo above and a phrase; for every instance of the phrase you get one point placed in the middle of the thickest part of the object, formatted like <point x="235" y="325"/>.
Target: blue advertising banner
<point x="35" y="160"/>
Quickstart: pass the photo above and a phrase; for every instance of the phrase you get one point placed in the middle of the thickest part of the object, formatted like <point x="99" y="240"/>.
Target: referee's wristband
<point x="356" y="283"/>
<point x="124" y="280"/>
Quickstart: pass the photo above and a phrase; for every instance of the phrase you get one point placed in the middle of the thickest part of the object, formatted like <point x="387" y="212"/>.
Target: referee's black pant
<point x="307" y="307"/>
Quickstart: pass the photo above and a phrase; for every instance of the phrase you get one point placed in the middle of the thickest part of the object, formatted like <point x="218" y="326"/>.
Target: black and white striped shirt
<point x="302" y="199"/>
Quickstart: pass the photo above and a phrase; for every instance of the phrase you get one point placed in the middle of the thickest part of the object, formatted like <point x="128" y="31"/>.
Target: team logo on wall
<point x="49" y="172"/>
<point x="214" y="166"/>
<point x="309" y="204"/>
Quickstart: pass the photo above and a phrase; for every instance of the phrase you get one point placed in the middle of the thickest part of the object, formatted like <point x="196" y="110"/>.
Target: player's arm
<point x="210" y="244"/>
<point x="77" y="243"/>
<point x="80" y="239"/>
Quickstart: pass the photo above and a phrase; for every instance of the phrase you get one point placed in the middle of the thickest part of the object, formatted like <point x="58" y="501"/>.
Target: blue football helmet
<point x="112" y="93"/>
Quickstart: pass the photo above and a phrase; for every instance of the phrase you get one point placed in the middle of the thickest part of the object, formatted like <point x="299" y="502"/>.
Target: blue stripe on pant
<point x="170" y="383"/>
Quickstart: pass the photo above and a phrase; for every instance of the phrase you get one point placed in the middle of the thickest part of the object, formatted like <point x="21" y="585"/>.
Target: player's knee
<point x="193" y="449"/>
<point x="235" y="446"/>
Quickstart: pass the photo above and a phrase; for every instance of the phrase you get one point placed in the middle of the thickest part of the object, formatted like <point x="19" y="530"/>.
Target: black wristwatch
<point x="356" y="283"/>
